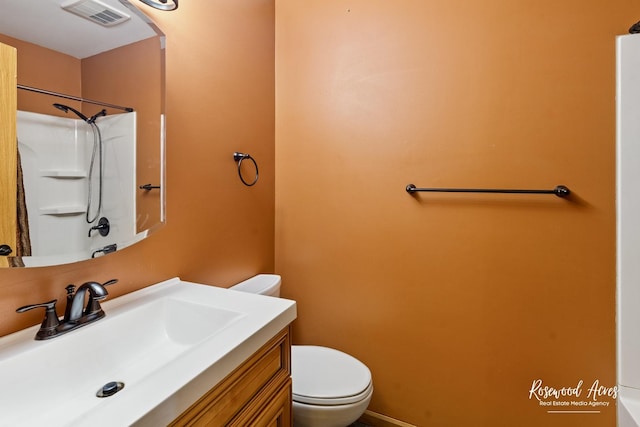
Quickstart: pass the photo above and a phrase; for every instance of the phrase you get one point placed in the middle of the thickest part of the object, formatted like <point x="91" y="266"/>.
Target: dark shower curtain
<point x="23" y="241"/>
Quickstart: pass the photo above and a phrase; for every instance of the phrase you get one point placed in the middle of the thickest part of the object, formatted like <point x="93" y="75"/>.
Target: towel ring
<point x="240" y="157"/>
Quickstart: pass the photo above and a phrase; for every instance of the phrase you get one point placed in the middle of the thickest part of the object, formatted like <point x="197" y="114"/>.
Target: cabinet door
<point x="254" y="391"/>
<point x="8" y="147"/>
<point x="277" y="413"/>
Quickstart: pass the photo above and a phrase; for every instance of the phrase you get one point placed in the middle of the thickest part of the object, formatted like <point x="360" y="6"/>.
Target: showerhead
<point x="66" y="109"/>
<point x="89" y="120"/>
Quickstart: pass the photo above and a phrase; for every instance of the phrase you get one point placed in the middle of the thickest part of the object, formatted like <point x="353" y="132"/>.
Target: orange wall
<point x="220" y="98"/>
<point x="456" y="302"/>
<point x="44" y="68"/>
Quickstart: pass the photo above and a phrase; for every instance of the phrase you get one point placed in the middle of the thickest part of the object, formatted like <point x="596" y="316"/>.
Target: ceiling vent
<point x="96" y="11"/>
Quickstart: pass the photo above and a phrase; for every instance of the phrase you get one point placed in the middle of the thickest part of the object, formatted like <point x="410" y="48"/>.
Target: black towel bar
<point x="560" y="190"/>
<point x="149" y="187"/>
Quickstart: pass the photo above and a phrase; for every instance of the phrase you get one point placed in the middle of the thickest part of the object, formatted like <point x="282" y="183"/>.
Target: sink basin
<point x="168" y="343"/>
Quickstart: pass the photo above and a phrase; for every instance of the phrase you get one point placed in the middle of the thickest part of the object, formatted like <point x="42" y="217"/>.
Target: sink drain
<point x="109" y="389"/>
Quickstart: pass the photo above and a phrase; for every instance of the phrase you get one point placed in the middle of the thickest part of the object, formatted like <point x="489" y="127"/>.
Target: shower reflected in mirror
<point x="96" y="155"/>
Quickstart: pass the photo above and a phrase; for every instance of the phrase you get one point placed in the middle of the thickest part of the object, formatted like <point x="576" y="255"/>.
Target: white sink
<point x="168" y="343"/>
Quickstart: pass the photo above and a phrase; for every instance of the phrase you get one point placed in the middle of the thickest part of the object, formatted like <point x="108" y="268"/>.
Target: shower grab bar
<point x="74" y="98"/>
<point x="560" y="190"/>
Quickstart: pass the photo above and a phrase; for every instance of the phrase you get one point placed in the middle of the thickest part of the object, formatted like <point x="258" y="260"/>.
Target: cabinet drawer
<point x="267" y="369"/>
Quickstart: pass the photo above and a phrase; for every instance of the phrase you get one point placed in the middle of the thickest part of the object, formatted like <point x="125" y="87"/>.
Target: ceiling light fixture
<point x="162" y="4"/>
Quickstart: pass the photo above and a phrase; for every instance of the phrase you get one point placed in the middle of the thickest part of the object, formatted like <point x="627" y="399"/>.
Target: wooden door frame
<point x="8" y="147"/>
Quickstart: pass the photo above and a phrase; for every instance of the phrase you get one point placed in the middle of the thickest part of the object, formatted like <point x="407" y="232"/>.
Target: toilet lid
<point x="325" y="376"/>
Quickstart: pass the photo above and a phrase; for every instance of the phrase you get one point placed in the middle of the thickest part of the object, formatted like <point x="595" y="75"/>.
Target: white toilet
<point x="330" y="388"/>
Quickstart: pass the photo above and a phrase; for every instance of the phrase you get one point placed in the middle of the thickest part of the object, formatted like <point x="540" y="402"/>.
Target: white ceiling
<point x="45" y="23"/>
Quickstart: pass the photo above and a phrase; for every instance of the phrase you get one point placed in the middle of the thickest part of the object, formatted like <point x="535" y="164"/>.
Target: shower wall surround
<point x="56" y="154"/>
<point x="628" y="229"/>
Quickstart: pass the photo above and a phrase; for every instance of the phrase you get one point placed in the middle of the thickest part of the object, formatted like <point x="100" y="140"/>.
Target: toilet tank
<point x="263" y="284"/>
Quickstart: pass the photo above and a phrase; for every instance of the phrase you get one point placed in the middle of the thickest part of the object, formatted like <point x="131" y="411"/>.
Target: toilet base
<point x="329" y="416"/>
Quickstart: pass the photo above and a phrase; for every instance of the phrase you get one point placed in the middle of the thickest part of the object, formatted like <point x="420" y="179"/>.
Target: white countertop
<point x="168" y="343"/>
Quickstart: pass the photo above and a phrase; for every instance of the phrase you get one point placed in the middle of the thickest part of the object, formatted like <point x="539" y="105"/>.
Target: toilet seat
<point x="328" y="377"/>
<point x="344" y="401"/>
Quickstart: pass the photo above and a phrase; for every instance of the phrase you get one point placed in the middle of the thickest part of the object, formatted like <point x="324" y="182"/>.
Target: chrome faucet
<point x="76" y="313"/>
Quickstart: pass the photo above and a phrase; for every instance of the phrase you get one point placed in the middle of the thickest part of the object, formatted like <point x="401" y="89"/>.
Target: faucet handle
<point x="93" y="305"/>
<point x="110" y="282"/>
<point x="50" y="322"/>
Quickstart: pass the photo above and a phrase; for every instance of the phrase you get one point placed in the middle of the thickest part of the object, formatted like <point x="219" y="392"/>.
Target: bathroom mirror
<point x="99" y="152"/>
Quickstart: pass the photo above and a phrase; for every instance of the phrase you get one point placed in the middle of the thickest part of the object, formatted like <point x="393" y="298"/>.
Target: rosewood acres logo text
<point x="573" y="399"/>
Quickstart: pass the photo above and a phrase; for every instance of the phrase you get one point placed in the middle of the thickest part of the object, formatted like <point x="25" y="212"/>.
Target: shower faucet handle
<point x="103" y="227"/>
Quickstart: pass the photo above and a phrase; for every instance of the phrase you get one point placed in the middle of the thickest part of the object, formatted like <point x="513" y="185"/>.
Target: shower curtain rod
<point x="74" y="98"/>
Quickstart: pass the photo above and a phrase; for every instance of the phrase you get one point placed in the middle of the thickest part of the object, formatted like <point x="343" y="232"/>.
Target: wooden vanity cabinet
<point x="257" y="393"/>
